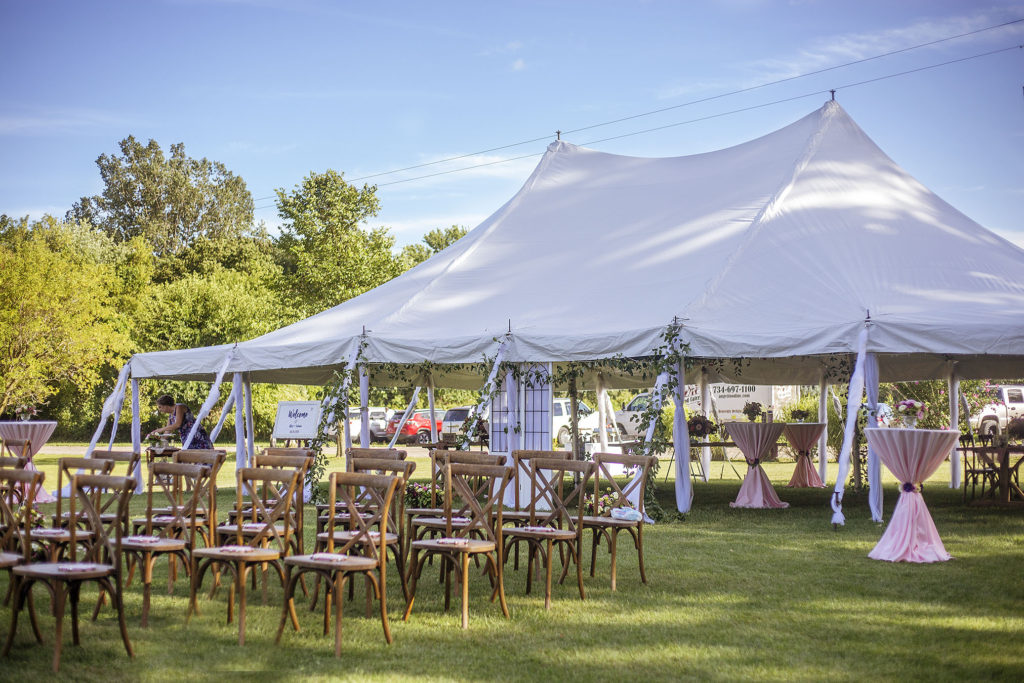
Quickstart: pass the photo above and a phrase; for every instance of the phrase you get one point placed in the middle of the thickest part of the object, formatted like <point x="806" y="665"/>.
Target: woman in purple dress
<point x="180" y="419"/>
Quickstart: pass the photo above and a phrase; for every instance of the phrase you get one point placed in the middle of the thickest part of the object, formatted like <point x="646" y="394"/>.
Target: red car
<point x="416" y="428"/>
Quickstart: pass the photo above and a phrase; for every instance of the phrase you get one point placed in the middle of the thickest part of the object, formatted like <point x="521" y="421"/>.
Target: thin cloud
<point x="54" y="120"/>
<point x="518" y="65"/>
<point x="460" y="171"/>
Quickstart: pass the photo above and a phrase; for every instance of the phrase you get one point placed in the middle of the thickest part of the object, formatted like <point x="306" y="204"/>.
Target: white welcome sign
<point x="297" y="420"/>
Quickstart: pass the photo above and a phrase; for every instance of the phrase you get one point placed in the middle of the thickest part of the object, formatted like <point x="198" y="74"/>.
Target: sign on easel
<point x="297" y="420"/>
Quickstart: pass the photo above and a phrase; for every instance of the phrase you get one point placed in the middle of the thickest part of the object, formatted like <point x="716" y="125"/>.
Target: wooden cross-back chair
<point x="608" y="526"/>
<point x="170" y="530"/>
<point x="17" y="448"/>
<point x="556" y="519"/>
<point x="54" y="540"/>
<point x="206" y="507"/>
<point x="130" y="460"/>
<point x="299" y="463"/>
<point x="979" y="469"/>
<point x="101" y="560"/>
<point x="16" y="486"/>
<point x="356" y="550"/>
<point x="263" y="540"/>
<point x="522" y="479"/>
<point x="473" y="496"/>
<point x="11" y="462"/>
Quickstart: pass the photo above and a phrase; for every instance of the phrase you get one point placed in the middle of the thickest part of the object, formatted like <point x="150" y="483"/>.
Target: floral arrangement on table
<point x="753" y="410"/>
<point x="605" y="503"/>
<point x="700" y="426"/>
<point x="799" y="414"/>
<point x="25" y="412"/>
<point x="417" y="495"/>
<point x="910" y="411"/>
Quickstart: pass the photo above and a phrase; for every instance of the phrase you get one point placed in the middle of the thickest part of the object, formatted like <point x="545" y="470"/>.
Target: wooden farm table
<point x="912" y="455"/>
<point x="755" y="440"/>
<point x="1009" y="474"/>
<point x="37" y="432"/>
<point x="802" y="436"/>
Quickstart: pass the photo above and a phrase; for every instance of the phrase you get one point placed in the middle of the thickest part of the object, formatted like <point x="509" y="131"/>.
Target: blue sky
<point x="276" y="89"/>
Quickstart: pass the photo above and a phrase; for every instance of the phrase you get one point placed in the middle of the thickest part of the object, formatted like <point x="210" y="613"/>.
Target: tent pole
<point x="364" y="409"/>
<point x="249" y="424"/>
<point x="405" y="417"/>
<point x="574" y="418"/>
<point x="705" y="406"/>
<point x="823" y="417"/>
<point x="681" y="441"/>
<point x="874" y="463"/>
<point x="240" y="460"/>
<point x="433" y="414"/>
<point x="602" y="413"/>
<point x="136" y="432"/>
<point x="954" y="423"/>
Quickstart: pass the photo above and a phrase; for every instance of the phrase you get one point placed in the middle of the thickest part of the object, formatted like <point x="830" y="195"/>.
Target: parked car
<point x="454" y="418"/>
<point x="378" y="422"/>
<point x="416" y="428"/>
<point x="627" y="420"/>
<point x="993" y="418"/>
<point x="561" y="422"/>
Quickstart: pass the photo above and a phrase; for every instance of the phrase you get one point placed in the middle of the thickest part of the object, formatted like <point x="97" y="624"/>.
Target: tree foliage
<point x="329" y="257"/>
<point x="435" y="241"/>
<point x="168" y="200"/>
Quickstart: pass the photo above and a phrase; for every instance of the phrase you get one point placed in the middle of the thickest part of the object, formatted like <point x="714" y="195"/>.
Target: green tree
<point x="435" y="241"/>
<point x="329" y="257"/>
<point x="58" y="323"/>
<point x="170" y="201"/>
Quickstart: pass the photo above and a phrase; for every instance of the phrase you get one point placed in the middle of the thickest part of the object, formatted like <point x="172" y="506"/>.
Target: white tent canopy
<point x="778" y="250"/>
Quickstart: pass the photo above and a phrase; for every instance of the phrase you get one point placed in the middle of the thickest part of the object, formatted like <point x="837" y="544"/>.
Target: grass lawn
<point x="733" y="594"/>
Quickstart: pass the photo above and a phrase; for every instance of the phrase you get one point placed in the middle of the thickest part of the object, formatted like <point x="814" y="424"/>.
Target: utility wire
<point x="687" y="104"/>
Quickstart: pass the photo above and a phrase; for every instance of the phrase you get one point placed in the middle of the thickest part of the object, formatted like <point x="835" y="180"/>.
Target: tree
<point x="170" y="201"/>
<point x="57" y="322"/>
<point x="330" y="259"/>
<point x="435" y="241"/>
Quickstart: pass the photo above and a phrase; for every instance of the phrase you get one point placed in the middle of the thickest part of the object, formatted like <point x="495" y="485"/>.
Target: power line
<point x="681" y="105"/>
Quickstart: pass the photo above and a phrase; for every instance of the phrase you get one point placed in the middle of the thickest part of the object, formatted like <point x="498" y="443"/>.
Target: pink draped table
<point x="37" y="432"/>
<point x="755" y="440"/>
<point x="912" y="455"/>
<point x="802" y="436"/>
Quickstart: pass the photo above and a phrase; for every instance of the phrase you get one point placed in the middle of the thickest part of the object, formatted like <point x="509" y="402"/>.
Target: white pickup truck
<point x="992" y="418"/>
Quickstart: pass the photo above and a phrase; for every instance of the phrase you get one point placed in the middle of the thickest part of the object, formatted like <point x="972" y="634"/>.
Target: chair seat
<point x="466" y="545"/>
<point x="346" y="536"/>
<point x="153" y="543"/>
<point x="515" y="516"/>
<point x="610" y="521"/>
<point x="250" y="528"/>
<point x="10" y="559"/>
<point x="64" y="570"/>
<point x="333" y="561"/>
<point x="540" y="532"/>
<point x="57" y="535"/>
<point x="237" y="552"/>
<point x="427" y="512"/>
<point x="441" y="522"/>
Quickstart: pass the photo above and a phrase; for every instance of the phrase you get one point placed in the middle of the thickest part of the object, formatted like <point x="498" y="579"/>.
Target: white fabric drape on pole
<point x="433" y="412"/>
<point x="364" y="407"/>
<point x="659" y="387"/>
<point x="514" y="421"/>
<point x="115" y="399"/>
<point x="211" y="399"/>
<point x="681" y="443"/>
<point x="954" y="423"/>
<point x="853" y="399"/>
<point x="705" y="406"/>
<point x="236" y="388"/>
<point x="250" y="431"/>
<point x="405" y="417"/>
<point x="229" y="404"/>
<point x="823" y="417"/>
<point x="602" y="413"/>
<point x="478" y="410"/>
<point x="874" y="464"/>
<point x="136" y="433"/>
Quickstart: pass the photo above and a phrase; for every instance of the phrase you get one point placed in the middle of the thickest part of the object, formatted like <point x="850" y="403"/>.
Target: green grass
<point x="733" y="594"/>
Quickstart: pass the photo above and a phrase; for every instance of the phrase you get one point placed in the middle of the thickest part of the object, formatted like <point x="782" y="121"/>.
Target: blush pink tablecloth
<point x="755" y="439"/>
<point x="38" y="432"/>
<point x="912" y="455"/>
<point x="802" y="436"/>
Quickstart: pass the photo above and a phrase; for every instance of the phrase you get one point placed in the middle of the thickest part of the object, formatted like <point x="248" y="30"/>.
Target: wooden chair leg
<point x="384" y="608"/>
<point x="58" y="606"/>
<point x="465" y="589"/>
<point x="242" y="567"/>
<point x="74" y="591"/>
<point x="339" y="598"/>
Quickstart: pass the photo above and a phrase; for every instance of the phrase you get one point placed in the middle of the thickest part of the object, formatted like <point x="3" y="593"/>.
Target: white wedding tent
<point x="785" y="251"/>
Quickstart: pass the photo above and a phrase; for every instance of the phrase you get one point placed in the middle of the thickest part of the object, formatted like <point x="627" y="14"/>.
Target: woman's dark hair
<point x="165" y="400"/>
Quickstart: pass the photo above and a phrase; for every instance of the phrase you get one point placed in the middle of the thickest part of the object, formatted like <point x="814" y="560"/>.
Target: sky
<point x="278" y="89"/>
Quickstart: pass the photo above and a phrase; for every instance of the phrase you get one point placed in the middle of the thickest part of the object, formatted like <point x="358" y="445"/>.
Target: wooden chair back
<point x="439" y="458"/>
<point x="66" y="469"/>
<point x="475" y="492"/>
<point x="18" y="448"/>
<point x="131" y="459"/>
<point x="112" y="493"/>
<point x="522" y="473"/>
<point x="213" y="459"/>
<point x="400" y="469"/>
<point x="17" y="485"/>
<point x="11" y="462"/>
<point x="371" y="492"/>
<point x="604" y="475"/>
<point x="299" y="463"/>
<point x="550" y="503"/>
<point x="375" y="453"/>
<point x="181" y="487"/>
<point x="278" y="485"/>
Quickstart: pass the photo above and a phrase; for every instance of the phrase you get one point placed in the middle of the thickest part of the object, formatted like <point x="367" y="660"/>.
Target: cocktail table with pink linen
<point x="755" y="439"/>
<point x="802" y="436"/>
<point x="912" y="455"/>
<point x="37" y="432"/>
